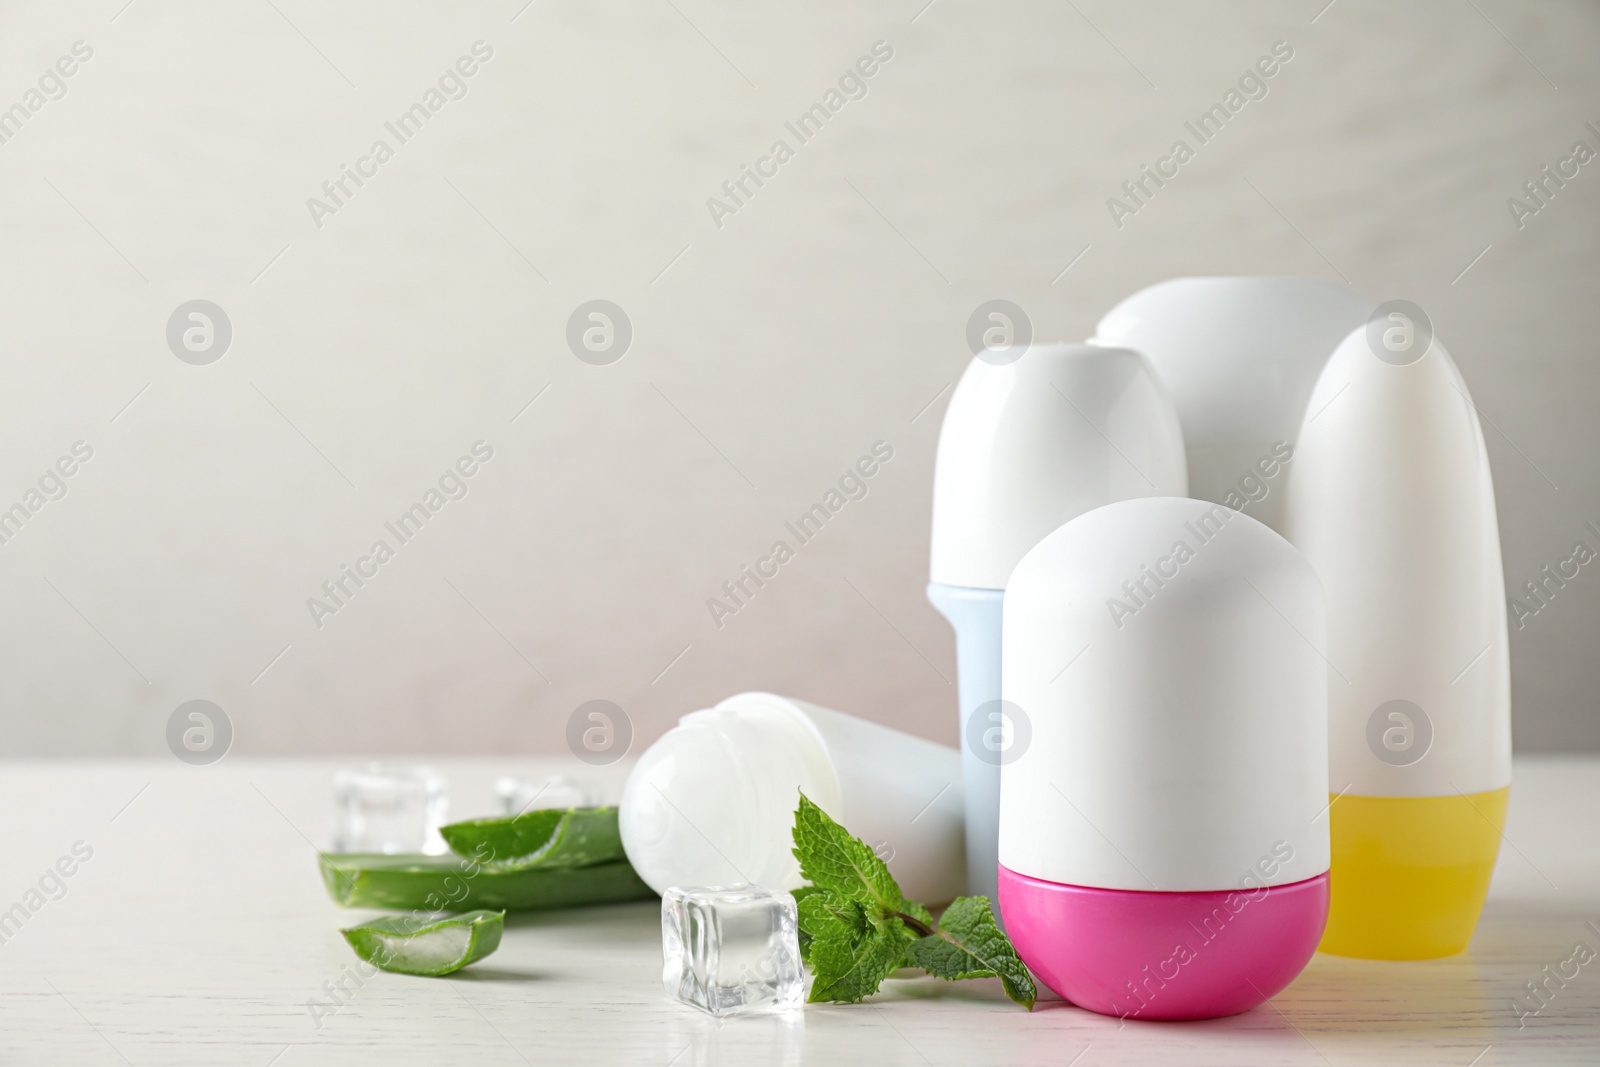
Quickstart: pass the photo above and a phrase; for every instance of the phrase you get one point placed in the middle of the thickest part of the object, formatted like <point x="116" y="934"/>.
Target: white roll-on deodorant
<point x="1163" y="837"/>
<point x="712" y="802"/>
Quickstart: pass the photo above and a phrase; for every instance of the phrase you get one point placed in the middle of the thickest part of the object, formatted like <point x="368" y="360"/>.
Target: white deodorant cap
<point x="1391" y="498"/>
<point x="1029" y="444"/>
<point x="1239" y="357"/>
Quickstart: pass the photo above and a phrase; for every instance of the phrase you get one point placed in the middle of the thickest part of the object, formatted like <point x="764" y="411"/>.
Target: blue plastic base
<point x="975" y="616"/>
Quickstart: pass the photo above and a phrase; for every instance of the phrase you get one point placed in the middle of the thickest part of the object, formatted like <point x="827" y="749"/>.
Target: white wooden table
<point x="198" y="931"/>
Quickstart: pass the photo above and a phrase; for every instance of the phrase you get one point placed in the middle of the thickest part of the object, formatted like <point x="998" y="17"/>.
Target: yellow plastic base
<point x="1410" y="873"/>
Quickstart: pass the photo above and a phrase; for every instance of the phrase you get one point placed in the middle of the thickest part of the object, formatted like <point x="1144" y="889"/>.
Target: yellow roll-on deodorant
<point x="1390" y="497"/>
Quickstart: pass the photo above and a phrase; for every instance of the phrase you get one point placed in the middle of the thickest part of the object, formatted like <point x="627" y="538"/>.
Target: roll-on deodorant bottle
<point x="1164" y="835"/>
<point x="1239" y="356"/>
<point x="1026" y="445"/>
<point x="1391" y="499"/>
<point x="712" y="801"/>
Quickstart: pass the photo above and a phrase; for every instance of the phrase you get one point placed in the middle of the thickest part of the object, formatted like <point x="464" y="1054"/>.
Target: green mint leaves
<point x="854" y="947"/>
<point x="969" y="944"/>
<point x="832" y="860"/>
<point x="857" y="928"/>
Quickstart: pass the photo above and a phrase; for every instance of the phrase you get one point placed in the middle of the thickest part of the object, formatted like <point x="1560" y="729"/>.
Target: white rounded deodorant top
<point x="1239" y="356"/>
<point x="1029" y="444"/>
<point x="712" y="801"/>
<point x="1163" y="653"/>
<point x="1391" y="499"/>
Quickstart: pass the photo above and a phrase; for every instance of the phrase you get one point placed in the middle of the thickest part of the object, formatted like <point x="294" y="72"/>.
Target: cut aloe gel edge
<point x="407" y="944"/>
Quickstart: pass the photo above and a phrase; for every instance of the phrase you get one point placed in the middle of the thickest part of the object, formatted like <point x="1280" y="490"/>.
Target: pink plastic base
<point x="1164" y="955"/>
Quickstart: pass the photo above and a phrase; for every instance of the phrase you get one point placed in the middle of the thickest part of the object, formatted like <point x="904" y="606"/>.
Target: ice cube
<point x="515" y="795"/>
<point x="731" y="950"/>
<point x="386" y="808"/>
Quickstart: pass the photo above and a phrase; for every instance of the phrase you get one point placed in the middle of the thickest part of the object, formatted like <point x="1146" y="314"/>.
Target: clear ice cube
<point x="515" y="795"/>
<point x="385" y="808"/>
<point x="731" y="950"/>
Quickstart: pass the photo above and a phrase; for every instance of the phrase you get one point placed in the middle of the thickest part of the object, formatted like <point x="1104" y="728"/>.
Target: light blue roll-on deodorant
<point x="1027" y="444"/>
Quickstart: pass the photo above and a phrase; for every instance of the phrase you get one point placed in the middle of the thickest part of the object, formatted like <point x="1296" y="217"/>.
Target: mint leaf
<point x="969" y="944"/>
<point x="918" y="912"/>
<point x="851" y="951"/>
<point x="852" y="929"/>
<point x="857" y="928"/>
<point x="831" y="859"/>
<point x="804" y="934"/>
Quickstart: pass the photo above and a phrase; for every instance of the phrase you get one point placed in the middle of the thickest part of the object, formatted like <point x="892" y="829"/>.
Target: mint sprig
<point x="970" y="944"/>
<point x="857" y="928"/>
<point x="832" y="860"/>
<point x="853" y="947"/>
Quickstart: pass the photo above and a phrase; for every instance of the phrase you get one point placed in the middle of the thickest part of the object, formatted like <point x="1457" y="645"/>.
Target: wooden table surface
<point x="197" y="931"/>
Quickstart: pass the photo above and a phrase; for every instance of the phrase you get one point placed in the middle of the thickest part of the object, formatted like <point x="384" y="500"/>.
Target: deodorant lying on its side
<point x="712" y="802"/>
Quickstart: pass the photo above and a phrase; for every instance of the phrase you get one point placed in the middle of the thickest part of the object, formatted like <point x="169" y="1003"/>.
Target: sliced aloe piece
<point x="441" y="883"/>
<point x="407" y="944"/>
<point x="548" y="838"/>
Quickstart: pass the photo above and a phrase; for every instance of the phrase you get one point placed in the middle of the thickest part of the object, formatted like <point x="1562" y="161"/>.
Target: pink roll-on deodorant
<point x="1164" y="836"/>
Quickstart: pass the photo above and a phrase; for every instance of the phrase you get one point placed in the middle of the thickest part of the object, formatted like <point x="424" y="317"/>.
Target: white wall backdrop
<point x="379" y="339"/>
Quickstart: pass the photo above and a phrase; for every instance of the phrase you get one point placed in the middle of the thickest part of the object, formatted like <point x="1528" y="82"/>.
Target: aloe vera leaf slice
<point x="440" y="883"/>
<point x="408" y="944"/>
<point x="547" y="838"/>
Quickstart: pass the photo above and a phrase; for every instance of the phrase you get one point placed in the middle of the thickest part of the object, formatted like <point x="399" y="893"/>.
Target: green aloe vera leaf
<point x="407" y="944"/>
<point x="451" y="883"/>
<point x="547" y="838"/>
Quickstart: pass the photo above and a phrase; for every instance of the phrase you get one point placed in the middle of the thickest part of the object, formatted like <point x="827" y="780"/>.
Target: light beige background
<point x="769" y="353"/>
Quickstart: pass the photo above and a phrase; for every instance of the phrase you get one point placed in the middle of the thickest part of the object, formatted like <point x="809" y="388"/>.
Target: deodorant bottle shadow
<point x="1164" y="839"/>
<point x="1026" y="445"/>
